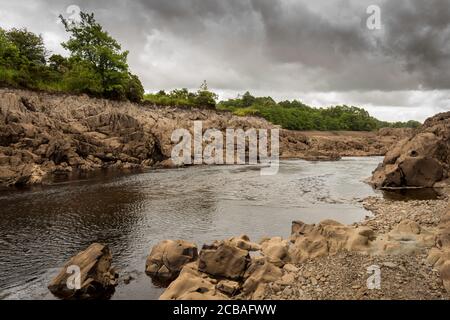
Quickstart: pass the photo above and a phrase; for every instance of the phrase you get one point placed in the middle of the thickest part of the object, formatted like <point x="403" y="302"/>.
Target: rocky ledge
<point x="328" y="260"/>
<point x="422" y="160"/>
<point x="43" y="134"/>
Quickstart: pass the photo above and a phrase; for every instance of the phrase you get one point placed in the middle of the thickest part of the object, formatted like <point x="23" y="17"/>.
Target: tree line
<point x="97" y="66"/>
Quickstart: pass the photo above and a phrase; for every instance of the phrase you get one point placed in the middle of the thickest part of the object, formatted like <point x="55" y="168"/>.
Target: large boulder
<point x="420" y="161"/>
<point x="223" y="260"/>
<point x="88" y="275"/>
<point x="167" y="258"/>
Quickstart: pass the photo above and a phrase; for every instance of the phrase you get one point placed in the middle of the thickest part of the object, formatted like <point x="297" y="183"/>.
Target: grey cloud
<point x="279" y="47"/>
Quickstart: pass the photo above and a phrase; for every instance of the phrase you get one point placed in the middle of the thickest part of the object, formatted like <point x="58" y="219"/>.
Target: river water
<point x="42" y="227"/>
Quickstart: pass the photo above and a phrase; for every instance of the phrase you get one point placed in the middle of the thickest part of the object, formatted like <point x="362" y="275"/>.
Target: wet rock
<point x="96" y="278"/>
<point x="167" y="258"/>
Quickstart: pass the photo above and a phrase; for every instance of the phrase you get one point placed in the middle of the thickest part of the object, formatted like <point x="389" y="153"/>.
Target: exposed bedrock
<point x="43" y="134"/>
<point x="226" y="269"/>
<point x="420" y="161"/>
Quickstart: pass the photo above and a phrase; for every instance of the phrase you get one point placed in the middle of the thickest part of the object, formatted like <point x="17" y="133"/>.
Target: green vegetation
<point x="96" y="64"/>
<point x="295" y="115"/>
<point x="203" y="98"/>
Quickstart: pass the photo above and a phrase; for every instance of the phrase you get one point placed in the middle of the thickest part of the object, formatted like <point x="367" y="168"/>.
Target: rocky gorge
<point x="44" y="134"/>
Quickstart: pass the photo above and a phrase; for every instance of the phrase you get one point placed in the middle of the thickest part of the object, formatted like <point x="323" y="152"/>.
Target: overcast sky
<point x="320" y="52"/>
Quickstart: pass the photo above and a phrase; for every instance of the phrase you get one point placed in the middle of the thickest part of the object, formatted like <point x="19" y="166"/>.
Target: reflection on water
<point x="410" y="194"/>
<point x="41" y="228"/>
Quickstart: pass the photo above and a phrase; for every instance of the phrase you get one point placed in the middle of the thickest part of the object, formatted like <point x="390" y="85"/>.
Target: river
<point x="42" y="227"/>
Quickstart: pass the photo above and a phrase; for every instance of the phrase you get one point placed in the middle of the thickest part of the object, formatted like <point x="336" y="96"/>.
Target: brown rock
<point x="275" y="250"/>
<point x="193" y="285"/>
<point x="96" y="278"/>
<point x="258" y="274"/>
<point x="167" y="258"/>
<point x="223" y="260"/>
<point x="420" y="161"/>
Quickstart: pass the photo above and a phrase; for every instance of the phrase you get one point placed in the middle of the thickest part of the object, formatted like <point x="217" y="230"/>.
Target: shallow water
<point x="41" y="228"/>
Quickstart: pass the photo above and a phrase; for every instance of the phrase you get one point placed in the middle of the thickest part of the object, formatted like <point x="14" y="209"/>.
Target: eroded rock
<point x="193" y="285"/>
<point x="97" y="279"/>
<point x="420" y="161"/>
<point x="167" y="258"/>
<point x="223" y="260"/>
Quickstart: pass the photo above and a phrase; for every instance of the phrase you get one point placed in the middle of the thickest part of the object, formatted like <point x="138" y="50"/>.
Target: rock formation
<point x="439" y="256"/>
<point x="420" y="161"/>
<point x="43" y="134"/>
<point x="167" y="259"/>
<point x="226" y="270"/>
<point x="88" y="275"/>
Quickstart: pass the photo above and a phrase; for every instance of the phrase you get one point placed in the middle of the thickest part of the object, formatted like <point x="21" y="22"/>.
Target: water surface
<point x="43" y="227"/>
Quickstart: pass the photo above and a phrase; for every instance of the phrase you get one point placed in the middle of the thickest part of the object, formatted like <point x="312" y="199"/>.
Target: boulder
<point x="422" y="160"/>
<point x="275" y="250"/>
<point x="243" y="242"/>
<point x="223" y="260"/>
<point x="167" y="258"/>
<point x="193" y="285"/>
<point x="88" y="275"/>
<point x="259" y="273"/>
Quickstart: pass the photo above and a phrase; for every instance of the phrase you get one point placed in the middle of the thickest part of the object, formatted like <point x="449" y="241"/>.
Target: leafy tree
<point x="247" y="99"/>
<point x="206" y="98"/>
<point x="30" y="46"/>
<point x="134" y="89"/>
<point x="83" y="78"/>
<point x="91" y="44"/>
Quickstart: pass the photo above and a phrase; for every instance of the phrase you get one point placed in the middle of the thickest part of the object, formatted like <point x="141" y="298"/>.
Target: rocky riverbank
<point x="330" y="260"/>
<point x="43" y="135"/>
<point x="422" y="160"/>
<point x="404" y="243"/>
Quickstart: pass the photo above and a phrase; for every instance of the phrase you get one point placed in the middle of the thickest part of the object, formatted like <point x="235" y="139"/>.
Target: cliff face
<point x="422" y="160"/>
<point x="43" y="134"/>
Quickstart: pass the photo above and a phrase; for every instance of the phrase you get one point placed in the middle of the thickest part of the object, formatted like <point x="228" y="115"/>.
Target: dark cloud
<point x="311" y="48"/>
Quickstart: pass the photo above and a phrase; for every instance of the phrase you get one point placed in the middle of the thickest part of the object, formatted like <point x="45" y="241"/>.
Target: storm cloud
<point x="321" y="52"/>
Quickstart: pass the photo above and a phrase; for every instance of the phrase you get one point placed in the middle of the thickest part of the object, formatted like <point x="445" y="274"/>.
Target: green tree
<point x="247" y="99"/>
<point x="31" y="46"/>
<point x="91" y="44"/>
<point x="206" y="98"/>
